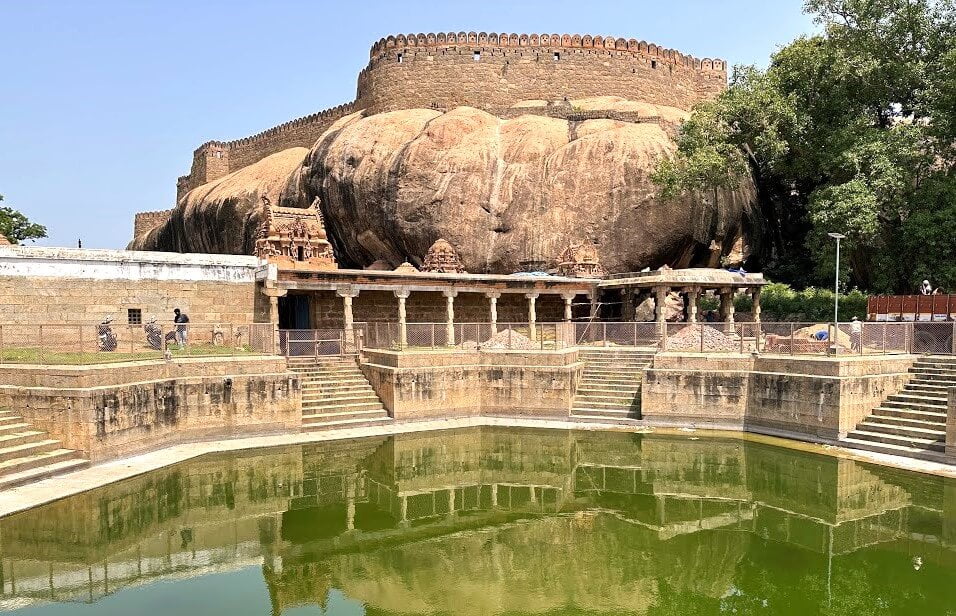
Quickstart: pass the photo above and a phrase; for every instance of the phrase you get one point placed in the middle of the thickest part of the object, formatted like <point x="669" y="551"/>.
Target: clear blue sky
<point x="102" y="102"/>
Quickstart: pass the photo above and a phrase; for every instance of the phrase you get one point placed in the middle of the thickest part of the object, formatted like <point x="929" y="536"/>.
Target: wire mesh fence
<point x="110" y="342"/>
<point x="855" y="338"/>
<point x="469" y="336"/>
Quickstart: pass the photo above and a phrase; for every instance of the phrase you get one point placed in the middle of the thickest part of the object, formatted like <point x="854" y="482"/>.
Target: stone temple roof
<point x="703" y="277"/>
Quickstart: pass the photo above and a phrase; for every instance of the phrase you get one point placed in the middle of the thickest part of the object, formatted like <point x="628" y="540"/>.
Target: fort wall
<point x="214" y="159"/>
<point x="489" y="71"/>
<point x="146" y="221"/>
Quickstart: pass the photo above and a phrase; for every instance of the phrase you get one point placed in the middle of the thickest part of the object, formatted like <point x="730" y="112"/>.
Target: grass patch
<point x="29" y="355"/>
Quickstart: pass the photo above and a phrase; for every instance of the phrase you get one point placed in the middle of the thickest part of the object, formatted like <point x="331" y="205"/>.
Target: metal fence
<point x="100" y="343"/>
<point x="626" y="333"/>
<point x="809" y="338"/>
<point x="864" y="338"/>
<point x="321" y="342"/>
<point x="469" y="336"/>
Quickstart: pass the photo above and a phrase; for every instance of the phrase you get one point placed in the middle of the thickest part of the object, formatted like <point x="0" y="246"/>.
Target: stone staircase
<point x="911" y="423"/>
<point x="28" y="454"/>
<point x="610" y="385"/>
<point x="335" y="394"/>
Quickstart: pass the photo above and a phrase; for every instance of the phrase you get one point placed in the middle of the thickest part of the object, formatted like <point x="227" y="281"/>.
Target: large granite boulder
<point x="508" y="192"/>
<point x="503" y="192"/>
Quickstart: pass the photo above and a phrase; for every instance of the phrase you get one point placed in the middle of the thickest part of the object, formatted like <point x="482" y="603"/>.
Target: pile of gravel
<point x="688" y="339"/>
<point x="509" y="339"/>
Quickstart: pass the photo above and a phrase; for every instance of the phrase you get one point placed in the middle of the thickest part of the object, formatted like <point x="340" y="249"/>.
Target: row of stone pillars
<point x="402" y="295"/>
<point x="692" y="301"/>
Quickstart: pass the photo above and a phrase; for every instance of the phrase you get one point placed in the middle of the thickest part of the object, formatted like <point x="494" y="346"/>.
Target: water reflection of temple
<point x="519" y="514"/>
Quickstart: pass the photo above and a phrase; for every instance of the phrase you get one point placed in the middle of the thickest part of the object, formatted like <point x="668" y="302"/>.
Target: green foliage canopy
<point x="852" y="130"/>
<point x="16" y="227"/>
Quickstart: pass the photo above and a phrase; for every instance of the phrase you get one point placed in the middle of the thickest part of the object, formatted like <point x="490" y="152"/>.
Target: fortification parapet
<point x="546" y="41"/>
<point x="214" y="159"/>
<point x="487" y="70"/>
<point x="144" y="222"/>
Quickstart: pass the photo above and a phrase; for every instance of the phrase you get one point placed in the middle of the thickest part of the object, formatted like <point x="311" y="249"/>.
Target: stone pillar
<point x="532" y="315"/>
<point x="274" y="294"/>
<point x="450" y="319"/>
<point x="402" y="295"/>
<point x="494" y="495"/>
<point x="349" y="323"/>
<point x="660" y="303"/>
<point x="594" y="305"/>
<point x="628" y="309"/>
<point x="493" y="305"/>
<point x="568" y="298"/>
<point x="692" y="296"/>
<point x="727" y="305"/>
<point x="755" y="294"/>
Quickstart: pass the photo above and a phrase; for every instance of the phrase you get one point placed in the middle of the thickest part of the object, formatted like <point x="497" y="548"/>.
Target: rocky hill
<point x="502" y="191"/>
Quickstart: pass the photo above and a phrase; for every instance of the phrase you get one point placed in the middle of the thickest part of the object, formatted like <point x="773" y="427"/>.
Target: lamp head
<point x="837" y="236"/>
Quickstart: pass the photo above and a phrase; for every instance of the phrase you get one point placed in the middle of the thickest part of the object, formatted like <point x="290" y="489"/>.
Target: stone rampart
<point x="817" y="399"/>
<point x="94" y="409"/>
<point x="461" y="383"/>
<point x="214" y="159"/>
<point x="486" y="70"/>
<point x="146" y="221"/>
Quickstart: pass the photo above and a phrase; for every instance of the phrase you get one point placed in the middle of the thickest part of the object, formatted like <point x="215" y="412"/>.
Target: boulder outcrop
<point x="503" y="192"/>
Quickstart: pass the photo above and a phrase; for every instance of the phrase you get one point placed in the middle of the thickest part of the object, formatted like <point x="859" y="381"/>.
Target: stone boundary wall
<point x="808" y="398"/>
<point x="177" y="402"/>
<point x="460" y="383"/>
<point x="144" y="222"/>
<point x="80" y="286"/>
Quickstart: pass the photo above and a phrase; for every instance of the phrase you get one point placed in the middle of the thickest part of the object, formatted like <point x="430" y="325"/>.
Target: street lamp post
<point x="836" y="292"/>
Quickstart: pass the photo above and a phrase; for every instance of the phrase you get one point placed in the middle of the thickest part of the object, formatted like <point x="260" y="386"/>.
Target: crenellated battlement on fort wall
<point x="547" y="41"/>
<point x="488" y="71"/>
<point x="144" y="222"/>
<point x="214" y="159"/>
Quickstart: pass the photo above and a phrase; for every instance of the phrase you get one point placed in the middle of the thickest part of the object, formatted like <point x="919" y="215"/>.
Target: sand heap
<point x="688" y="339"/>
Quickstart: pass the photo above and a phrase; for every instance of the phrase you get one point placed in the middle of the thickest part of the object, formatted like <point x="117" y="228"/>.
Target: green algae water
<point x="494" y="521"/>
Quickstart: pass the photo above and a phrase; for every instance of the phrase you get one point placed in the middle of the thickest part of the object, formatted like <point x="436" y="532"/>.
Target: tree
<point x="16" y="227"/>
<point x="852" y="130"/>
<point x="706" y="160"/>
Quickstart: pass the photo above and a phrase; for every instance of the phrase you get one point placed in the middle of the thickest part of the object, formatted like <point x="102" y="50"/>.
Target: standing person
<point x="927" y="288"/>
<point x="856" y="335"/>
<point x="180" y="319"/>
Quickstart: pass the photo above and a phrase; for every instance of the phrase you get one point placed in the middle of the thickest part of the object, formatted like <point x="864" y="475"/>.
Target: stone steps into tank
<point x="913" y="421"/>
<point x="610" y="385"/>
<point x="336" y="394"/>
<point x="28" y="454"/>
